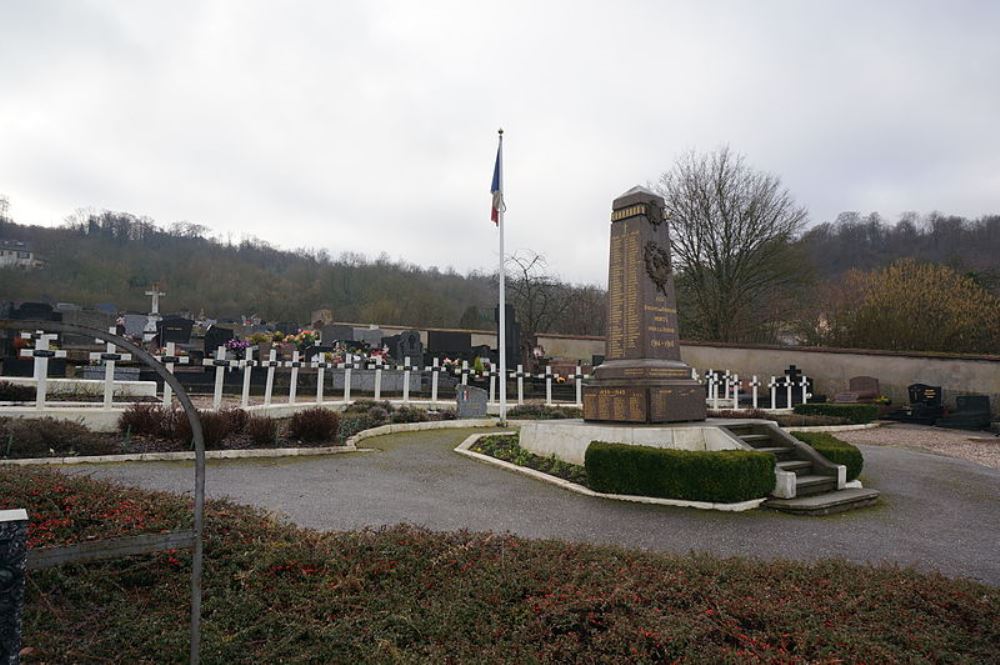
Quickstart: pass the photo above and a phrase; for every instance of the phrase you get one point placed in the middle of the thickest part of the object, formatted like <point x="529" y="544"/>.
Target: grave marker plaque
<point x="642" y="378"/>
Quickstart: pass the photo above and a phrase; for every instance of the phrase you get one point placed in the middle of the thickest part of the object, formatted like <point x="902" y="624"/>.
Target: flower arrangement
<point x="303" y="339"/>
<point x="237" y="344"/>
<point x="261" y="337"/>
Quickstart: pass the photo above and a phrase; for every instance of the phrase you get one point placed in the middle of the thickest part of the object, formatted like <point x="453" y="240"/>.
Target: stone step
<point x="796" y="466"/>
<point x="778" y="451"/>
<point x="827" y="503"/>
<point x="809" y="484"/>
<point x="750" y="438"/>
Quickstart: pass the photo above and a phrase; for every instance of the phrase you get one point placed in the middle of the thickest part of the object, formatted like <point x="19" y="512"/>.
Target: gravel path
<point x="937" y="513"/>
<point x="979" y="447"/>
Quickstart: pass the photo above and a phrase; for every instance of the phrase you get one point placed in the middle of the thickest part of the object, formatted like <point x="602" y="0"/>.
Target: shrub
<point x="237" y="417"/>
<point x="835" y="450"/>
<point x="408" y="414"/>
<point x="725" y="476"/>
<point x="45" y="437"/>
<point x="544" y="412"/>
<point x="783" y="419"/>
<point x="262" y="430"/>
<point x="147" y="420"/>
<point x="856" y="413"/>
<point x="12" y="392"/>
<point x="366" y="405"/>
<point x="351" y="424"/>
<point x="314" y="425"/>
<point x="214" y="428"/>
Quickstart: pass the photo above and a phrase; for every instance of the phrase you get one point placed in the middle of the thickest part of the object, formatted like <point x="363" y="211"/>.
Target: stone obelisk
<point x="642" y="379"/>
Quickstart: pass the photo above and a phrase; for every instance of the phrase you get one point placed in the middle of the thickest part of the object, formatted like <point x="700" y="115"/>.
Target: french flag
<point x="497" y="187"/>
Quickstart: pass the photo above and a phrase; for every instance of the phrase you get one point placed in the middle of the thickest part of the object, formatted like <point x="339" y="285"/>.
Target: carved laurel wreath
<point x="657" y="262"/>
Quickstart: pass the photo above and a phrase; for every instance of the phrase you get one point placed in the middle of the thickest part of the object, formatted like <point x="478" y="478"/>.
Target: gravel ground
<point x="979" y="447"/>
<point x="936" y="513"/>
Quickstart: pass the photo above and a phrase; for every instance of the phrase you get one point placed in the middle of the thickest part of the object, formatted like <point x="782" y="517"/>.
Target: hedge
<point x="856" y="413"/>
<point x="726" y="476"/>
<point x="835" y="450"/>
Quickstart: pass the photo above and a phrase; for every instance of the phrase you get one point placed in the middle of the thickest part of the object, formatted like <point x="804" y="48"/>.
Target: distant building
<point x="18" y="254"/>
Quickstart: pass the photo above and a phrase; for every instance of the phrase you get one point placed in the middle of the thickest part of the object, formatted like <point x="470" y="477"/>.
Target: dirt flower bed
<point x="277" y="593"/>
<point x="505" y="447"/>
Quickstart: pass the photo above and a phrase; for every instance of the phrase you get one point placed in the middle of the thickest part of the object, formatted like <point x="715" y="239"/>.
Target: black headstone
<point x="336" y="333"/>
<point x="921" y="393"/>
<point x="448" y="343"/>
<point x="215" y="337"/>
<point x="36" y="310"/>
<point x="175" y="329"/>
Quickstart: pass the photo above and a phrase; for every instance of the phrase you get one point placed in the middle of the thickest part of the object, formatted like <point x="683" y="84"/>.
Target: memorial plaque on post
<point x="642" y="378"/>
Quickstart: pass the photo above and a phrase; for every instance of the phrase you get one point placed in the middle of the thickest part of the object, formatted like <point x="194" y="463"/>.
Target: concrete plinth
<point x="568" y="439"/>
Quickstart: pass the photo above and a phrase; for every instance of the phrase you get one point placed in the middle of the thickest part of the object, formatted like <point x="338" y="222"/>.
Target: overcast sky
<point x="371" y="126"/>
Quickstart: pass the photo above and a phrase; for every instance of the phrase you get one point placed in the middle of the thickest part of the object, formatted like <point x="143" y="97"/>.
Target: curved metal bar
<point x="199" y="449"/>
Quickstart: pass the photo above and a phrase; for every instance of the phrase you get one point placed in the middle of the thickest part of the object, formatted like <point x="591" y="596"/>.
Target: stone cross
<point x="168" y="358"/>
<point x="378" y="378"/>
<point x="271" y="362"/>
<point x="41" y="353"/>
<point x="736" y="391"/>
<point x="519" y="375"/>
<point x="348" y="366"/>
<point x="220" y="363"/>
<point x="804" y="383"/>
<point x="407" y="368"/>
<point x="248" y="365"/>
<point x="713" y="390"/>
<point x="109" y="357"/>
<point x="548" y="385"/>
<point x="792" y="375"/>
<point x="774" y="392"/>
<point x="13" y="562"/>
<point x="149" y="332"/>
<point x="577" y="377"/>
<point x="434" y="369"/>
<point x="492" y="374"/>
<point x="727" y="382"/>
<point x="321" y="367"/>
<point x="293" y="386"/>
<point x="754" y="385"/>
<point x="788" y="392"/>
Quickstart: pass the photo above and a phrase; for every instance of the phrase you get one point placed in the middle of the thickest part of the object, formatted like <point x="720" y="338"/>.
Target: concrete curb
<point x="463" y="449"/>
<point x="396" y="428"/>
<point x="183" y="456"/>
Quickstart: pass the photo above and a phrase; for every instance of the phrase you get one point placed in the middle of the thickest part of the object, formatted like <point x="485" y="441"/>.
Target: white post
<point x="578" y="380"/>
<point x="293" y="387"/>
<point x="406" y="380"/>
<point x="774" y="392"/>
<point x="548" y="385"/>
<point x="788" y="391"/>
<point x="465" y="372"/>
<point x="272" y="362"/>
<point x="713" y="389"/>
<point x="435" y="369"/>
<point x="727" y="379"/>
<point x="168" y="359"/>
<point x="41" y="354"/>
<point x="247" y="369"/>
<point x="736" y="391"/>
<point x="109" y="357"/>
<point x="754" y="384"/>
<point x="804" y="382"/>
<point x="320" y="366"/>
<point x="378" y="379"/>
<point x="220" y="363"/>
<point x="520" y="384"/>
<point x="347" y="378"/>
<point x="493" y="384"/>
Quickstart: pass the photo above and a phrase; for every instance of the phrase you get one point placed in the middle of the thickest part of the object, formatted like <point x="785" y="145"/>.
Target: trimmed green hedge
<point x="856" y="413"/>
<point x="835" y="450"/>
<point x="726" y="476"/>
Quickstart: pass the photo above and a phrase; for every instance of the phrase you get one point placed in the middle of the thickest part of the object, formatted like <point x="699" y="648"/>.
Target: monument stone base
<point x="568" y="439"/>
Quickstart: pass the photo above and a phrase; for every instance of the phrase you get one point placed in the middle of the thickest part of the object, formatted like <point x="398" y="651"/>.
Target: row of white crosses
<point x="730" y="383"/>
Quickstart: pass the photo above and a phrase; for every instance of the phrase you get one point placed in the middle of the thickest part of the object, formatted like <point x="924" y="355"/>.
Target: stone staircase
<point x="808" y="483"/>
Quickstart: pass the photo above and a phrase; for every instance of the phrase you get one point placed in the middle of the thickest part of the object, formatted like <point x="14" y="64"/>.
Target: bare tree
<point x="538" y="297"/>
<point x="731" y="232"/>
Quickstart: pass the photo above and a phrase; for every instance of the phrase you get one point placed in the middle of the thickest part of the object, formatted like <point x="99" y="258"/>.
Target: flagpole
<point x="502" y="341"/>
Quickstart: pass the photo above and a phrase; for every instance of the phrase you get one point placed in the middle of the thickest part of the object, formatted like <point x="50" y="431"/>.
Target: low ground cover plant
<point x="855" y="413"/>
<point x="49" y="437"/>
<point x="506" y="448"/>
<point x="314" y="425"/>
<point x="277" y="593"/>
<point x="835" y="450"/>
<point x="544" y="412"/>
<point x="724" y="476"/>
<point x="12" y="392"/>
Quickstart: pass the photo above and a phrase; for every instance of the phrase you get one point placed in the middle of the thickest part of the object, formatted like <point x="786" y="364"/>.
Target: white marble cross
<point x="378" y="378"/>
<point x="788" y="391"/>
<point x="804" y="382"/>
<point x="434" y="369"/>
<point x="492" y="374"/>
<point x="149" y="332"/>
<point x="519" y="375"/>
<point x="713" y="390"/>
<point x="321" y="366"/>
<point x="271" y="362"/>
<point x="109" y="357"/>
<point x="548" y="385"/>
<point x="168" y="358"/>
<point x="247" y="363"/>
<point x="348" y="366"/>
<point x="293" y="386"/>
<point x="754" y="385"/>
<point x="220" y="363"/>
<point x="406" y="378"/>
<point x="727" y="380"/>
<point x="41" y="353"/>
<point x="577" y="378"/>
<point x="774" y="392"/>
<point x="736" y="391"/>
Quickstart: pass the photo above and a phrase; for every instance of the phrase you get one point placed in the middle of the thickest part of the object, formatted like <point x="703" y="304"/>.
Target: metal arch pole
<point x="199" y="451"/>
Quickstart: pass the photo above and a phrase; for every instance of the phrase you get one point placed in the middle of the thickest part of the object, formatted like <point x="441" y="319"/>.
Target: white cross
<point x="155" y="293"/>
<point x="788" y="391"/>
<point x="109" y="358"/>
<point x="293" y="386"/>
<point x="694" y="375"/>
<point x="492" y="373"/>
<point x="321" y="366"/>
<point x="247" y="364"/>
<point x="435" y="368"/>
<point x="348" y="360"/>
<point x="465" y="372"/>
<point x="271" y="362"/>
<point x="736" y="391"/>
<point x="727" y="379"/>
<point x="220" y="363"/>
<point x="548" y="385"/>
<point x="804" y="382"/>
<point x="713" y="390"/>
<point x="41" y="353"/>
<point x="168" y="359"/>
<point x="378" y="378"/>
<point x="406" y="379"/>
<point x="774" y="392"/>
<point x="519" y="375"/>
<point x="754" y="384"/>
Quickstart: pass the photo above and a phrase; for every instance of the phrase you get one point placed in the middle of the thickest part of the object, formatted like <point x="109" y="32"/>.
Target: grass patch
<point x="277" y="593"/>
<point x="505" y="447"/>
<point x="835" y="450"/>
<point x="856" y="413"/>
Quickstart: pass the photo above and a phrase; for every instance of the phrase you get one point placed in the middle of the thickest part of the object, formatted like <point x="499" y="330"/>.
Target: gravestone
<point x="215" y="337"/>
<point x="642" y="379"/>
<point x="336" y="333"/>
<point x="36" y="310"/>
<point x="441" y="343"/>
<point x="371" y="336"/>
<point x="407" y="344"/>
<point x="860" y="389"/>
<point x="135" y="325"/>
<point x="470" y="402"/>
<point x="174" y="329"/>
<point x="513" y="335"/>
